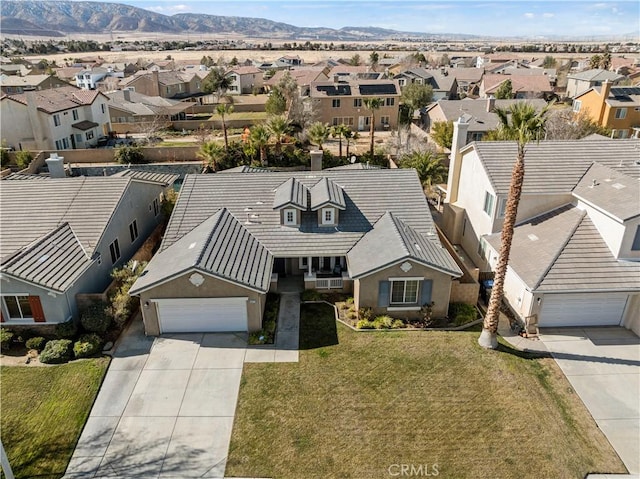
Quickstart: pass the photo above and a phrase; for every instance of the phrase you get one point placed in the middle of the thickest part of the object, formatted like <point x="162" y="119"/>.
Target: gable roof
<point x="291" y="193"/>
<point x="391" y="240"/>
<point x="596" y="75"/>
<point x="219" y="246"/>
<point x="555" y="166"/>
<point x="25" y="81"/>
<point x="244" y="70"/>
<point x="326" y="192"/>
<point x="302" y="76"/>
<point x="57" y="99"/>
<point x="519" y="83"/>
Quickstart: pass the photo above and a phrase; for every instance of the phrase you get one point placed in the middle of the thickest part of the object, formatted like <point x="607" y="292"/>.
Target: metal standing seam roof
<point x="556" y="166"/>
<point x="291" y="193"/>
<point x="164" y="179"/>
<point x="54" y="261"/>
<point x="220" y="246"/>
<point x="390" y="241"/>
<point x="326" y="192"/>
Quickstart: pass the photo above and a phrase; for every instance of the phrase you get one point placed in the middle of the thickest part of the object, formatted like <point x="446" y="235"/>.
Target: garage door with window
<point x="202" y="315"/>
<point x="582" y="309"/>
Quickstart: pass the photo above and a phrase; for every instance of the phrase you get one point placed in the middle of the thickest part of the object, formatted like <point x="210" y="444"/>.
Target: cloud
<point x="170" y="8"/>
<point x="529" y="15"/>
<point x="548" y="15"/>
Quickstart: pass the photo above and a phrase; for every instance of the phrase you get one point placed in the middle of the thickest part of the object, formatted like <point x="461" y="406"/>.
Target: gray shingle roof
<point x="220" y="246"/>
<point x="596" y="75"/>
<point x="54" y="261"/>
<point x="164" y="179"/>
<point x="611" y="191"/>
<point x="556" y="166"/>
<point x="291" y="193"/>
<point x="391" y="240"/>
<point x="326" y="192"/>
<point x="356" y="166"/>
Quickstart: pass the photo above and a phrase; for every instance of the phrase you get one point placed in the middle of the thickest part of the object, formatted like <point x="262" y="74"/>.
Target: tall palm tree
<point x="372" y="104"/>
<point x="350" y="136"/>
<point x="260" y="139"/>
<point x="279" y="127"/>
<point x="210" y="153"/>
<point x="318" y="133"/>
<point x="223" y="109"/>
<point x="340" y="131"/>
<point x="522" y="125"/>
<point x="428" y="165"/>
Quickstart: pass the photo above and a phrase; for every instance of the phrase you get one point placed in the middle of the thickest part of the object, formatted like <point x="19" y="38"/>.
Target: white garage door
<point x="582" y="310"/>
<point x="187" y="315"/>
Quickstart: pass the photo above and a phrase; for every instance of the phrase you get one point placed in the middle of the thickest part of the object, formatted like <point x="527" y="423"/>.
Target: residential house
<point x="302" y="76"/>
<point x="62" y="237"/>
<point x="14" y="69"/>
<point x="89" y="78"/>
<point x="468" y="80"/>
<point x="613" y="107"/>
<point x="55" y="119"/>
<point x="167" y="84"/>
<point x="492" y="60"/>
<point x="479" y="114"/>
<point x="68" y="74"/>
<point x="343" y="102"/>
<point x="444" y="86"/>
<point x="13" y="84"/>
<point x="523" y="86"/>
<point x="245" y="80"/>
<point x="291" y="60"/>
<point x="575" y="257"/>
<point x="233" y="237"/>
<point x="550" y="73"/>
<point x="133" y="109"/>
<point x="578" y="83"/>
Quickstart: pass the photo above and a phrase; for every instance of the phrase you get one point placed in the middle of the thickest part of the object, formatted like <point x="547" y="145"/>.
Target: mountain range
<point x="58" y="18"/>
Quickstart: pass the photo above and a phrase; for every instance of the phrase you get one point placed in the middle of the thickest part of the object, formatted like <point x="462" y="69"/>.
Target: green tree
<point x="276" y="103"/>
<point x="415" y="96"/>
<point x="260" y="140"/>
<point x="129" y="155"/>
<point x="355" y="60"/>
<point x="505" y="91"/>
<point x="549" y="62"/>
<point x="216" y="82"/>
<point x="595" y="61"/>
<point x="442" y="133"/>
<point x="428" y="165"/>
<point x="372" y="104"/>
<point x="211" y="153"/>
<point x="23" y="158"/>
<point x="605" y="62"/>
<point x="373" y="60"/>
<point x="340" y="131"/>
<point x="318" y="133"/>
<point x="523" y="124"/>
<point x="224" y="109"/>
<point x="350" y="136"/>
<point x="279" y="127"/>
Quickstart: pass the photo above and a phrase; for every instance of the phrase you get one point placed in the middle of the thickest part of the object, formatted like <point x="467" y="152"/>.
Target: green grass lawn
<point x="43" y="412"/>
<point x="360" y="405"/>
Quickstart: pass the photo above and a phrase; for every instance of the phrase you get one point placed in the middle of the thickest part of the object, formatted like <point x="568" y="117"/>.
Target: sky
<point x="495" y="18"/>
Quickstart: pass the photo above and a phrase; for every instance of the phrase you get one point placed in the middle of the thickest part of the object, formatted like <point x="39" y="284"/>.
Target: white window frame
<point x="357" y="102"/>
<point x="502" y="207"/>
<point x="384" y="120"/>
<point x="482" y="248"/>
<point x="303" y="262"/>
<point x="577" y="104"/>
<point x="5" y="308"/>
<point x="621" y="113"/>
<point x="489" y="203"/>
<point x="332" y="216"/>
<point x="285" y="219"/>
<point x="404" y="291"/>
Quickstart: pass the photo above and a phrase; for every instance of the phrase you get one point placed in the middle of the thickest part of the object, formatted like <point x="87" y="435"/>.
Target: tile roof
<point x="54" y="261"/>
<point x="519" y="83"/>
<point x="302" y="76"/>
<point x="391" y="240"/>
<point x="356" y="166"/>
<point x="164" y="179"/>
<point x="291" y="193"/>
<point x="246" y="169"/>
<point x="326" y="192"/>
<point x="248" y="70"/>
<point x="595" y="75"/>
<point x="624" y="96"/>
<point x="220" y="246"/>
<point x="610" y="190"/>
<point x="29" y="80"/>
<point x="58" y="99"/>
<point x="24" y="176"/>
<point x="84" y="125"/>
<point x="471" y="75"/>
<point x="556" y="166"/>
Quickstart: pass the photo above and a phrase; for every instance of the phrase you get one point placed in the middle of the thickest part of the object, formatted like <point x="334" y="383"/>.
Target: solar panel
<point x="383" y="89"/>
<point x="625" y="91"/>
<point x="335" y="90"/>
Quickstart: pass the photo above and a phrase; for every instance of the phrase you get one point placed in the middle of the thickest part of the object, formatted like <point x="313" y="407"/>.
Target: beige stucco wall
<point x="632" y="314"/>
<point x="181" y="287"/>
<point x="366" y="289"/>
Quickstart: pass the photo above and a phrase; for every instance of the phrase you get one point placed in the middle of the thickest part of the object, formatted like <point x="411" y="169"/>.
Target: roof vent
<point x="192" y="245"/>
<point x="43" y="258"/>
<point x="532" y="237"/>
<point x="618" y="186"/>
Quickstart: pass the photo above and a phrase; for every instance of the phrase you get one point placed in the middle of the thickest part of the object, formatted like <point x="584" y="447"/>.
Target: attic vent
<point x="533" y="237"/>
<point x="618" y="186"/>
<point x="192" y="245"/>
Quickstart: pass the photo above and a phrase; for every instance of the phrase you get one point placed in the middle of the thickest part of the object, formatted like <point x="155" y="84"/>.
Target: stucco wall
<point x="632" y="314"/>
<point x="612" y="231"/>
<point x="212" y="287"/>
<point x="366" y="289"/>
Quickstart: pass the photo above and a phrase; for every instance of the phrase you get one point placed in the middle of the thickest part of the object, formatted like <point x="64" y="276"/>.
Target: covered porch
<point x="313" y="272"/>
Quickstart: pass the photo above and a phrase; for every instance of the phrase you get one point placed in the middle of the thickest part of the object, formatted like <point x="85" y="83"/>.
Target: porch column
<point x="309" y="265"/>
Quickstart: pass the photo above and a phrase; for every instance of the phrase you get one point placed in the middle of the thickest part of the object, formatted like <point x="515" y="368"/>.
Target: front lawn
<point x="362" y="405"/>
<point x="43" y="412"/>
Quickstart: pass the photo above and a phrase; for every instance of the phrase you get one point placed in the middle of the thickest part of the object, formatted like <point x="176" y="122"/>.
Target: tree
<point x="428" y="165"/>
<point x="549" y="62"/>
<point x="340" y="131"/>
<point x="210" y="154"/>
<point x="565" y="124"/>
<point x="350" y="136"/>
<point x="279" y="127"/>
<point x="373" y="60"/>
<point x="521" y="123"/>
<point x="505" y="91"/>
<point x="415" y="96"/>
<point x="223" y="109"/>
<point x="318" y="133"/>
<point x="355" y="61"/>
<point x="442" y="133"/>
<point x="216" y="82"/>
<point x="372" y="104"/>
<point x="260" y="140"/>
<point x="594" y="61"/>
<point x="276" y="103"/>
<point x="129" y="155"/>
<point x="605" y="62"/>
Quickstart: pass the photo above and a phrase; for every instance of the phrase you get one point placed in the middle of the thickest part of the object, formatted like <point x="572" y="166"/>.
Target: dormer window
<point x="328" y="216"/>
<point x="289" y="217"/>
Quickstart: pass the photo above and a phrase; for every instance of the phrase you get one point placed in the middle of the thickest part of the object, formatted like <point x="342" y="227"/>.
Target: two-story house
<point x="245" y="80"/>
<point x="167" y="84"/>
<point x="522" y="86"/>
<point x="89" y="78"/>
<point x="56" y="119"/>
<point x="444" y="87"/>
<point x="62" y="237"/>
<point x="575" y="258"/>
<point x="578" y="83"/>
<point x="343" y="102"/>
<point x="14" y="84"/>
<point x="613" y="107"/>
<point x="233" y="236"/>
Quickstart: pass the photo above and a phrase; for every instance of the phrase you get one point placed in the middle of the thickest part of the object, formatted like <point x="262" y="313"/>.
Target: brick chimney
<point x="316" y="160"/>
<point x="460" y="128"/>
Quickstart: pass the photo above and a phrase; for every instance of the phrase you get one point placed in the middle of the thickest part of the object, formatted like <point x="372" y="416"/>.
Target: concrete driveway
<point x="165" y="409"/>
<point x="603" y="367"/>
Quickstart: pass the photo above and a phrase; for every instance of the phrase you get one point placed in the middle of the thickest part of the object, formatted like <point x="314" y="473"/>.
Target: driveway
<point x="603" y="367"/>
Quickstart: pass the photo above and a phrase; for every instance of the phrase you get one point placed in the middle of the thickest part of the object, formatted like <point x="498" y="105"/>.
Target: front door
<point x="361" y="120"/>
<point x="279" y="266"/>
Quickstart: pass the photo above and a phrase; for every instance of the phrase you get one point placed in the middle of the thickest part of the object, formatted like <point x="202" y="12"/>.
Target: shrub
<point x="95" y="319"/>
<point x="129" y="154"/>
<point x="383" y="322"/>
<point x="23" y="158"/>
<point x="56" y="351"/>
<point x="350" y="300"/>
<point x="121" y="304"/>
<point x="4" y="157"/>
<point x="343" y="306"/>
<point x="397" y="324"/>
<point x="36" y="343"/>
<point x="351" y="314"/>
<point x="365" y="313"/>
<point x="66" y="330"/>
<point x="365" y="324"/>
<point x="87" y="345"/>
<point x="461" y="313"/>
<point x="5" y="338"/>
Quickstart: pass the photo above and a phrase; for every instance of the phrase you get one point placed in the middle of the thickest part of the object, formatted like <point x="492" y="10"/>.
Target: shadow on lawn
<point x="317" y="326"/>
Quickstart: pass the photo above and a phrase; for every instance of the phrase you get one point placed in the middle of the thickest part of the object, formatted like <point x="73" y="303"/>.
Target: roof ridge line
<point x="221" y="212"/>
<point x="395" y="220"/>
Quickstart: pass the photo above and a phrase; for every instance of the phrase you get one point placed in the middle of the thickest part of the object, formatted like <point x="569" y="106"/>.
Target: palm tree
<point x="224" y="109"/>
<point x="340" y="131"/>
<point x="279" y="127"/>
<point x="349" y="136"/>
<point x="428" y="165"/>
<point x="372" y="104"/>
<point x="523" y="125"/>
<point x="260" y="139"/>
<point x="210" y="153"/>
<point x="318" y="133"/>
